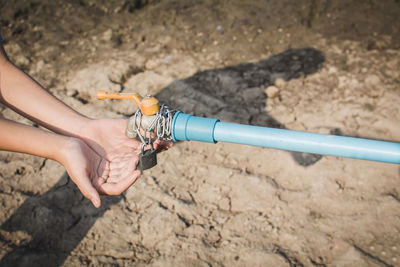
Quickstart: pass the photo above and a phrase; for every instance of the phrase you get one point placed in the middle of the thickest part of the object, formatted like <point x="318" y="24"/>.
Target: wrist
<point x="92" y="129"/>
<point x="66" y="144"/>
<point x="27" y="139"/>
<point x="83" y="128"/>
<point x="76" y="125"/>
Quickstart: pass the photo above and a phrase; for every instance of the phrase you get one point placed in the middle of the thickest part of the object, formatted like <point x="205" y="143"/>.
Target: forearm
<point x="26" y="139"/>
<point x="21" y="93"/>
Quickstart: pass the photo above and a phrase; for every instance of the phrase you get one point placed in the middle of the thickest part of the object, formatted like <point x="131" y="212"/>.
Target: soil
<point x="335" y="68"/>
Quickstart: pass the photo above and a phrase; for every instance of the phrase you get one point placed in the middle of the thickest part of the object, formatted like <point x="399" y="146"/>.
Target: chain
<point x="161" y="125"/>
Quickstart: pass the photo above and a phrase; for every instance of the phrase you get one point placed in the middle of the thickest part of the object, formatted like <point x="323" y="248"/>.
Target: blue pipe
<point x="187" y="127"/>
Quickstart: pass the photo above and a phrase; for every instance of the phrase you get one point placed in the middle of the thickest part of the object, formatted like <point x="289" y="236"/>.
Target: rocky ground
<point x="319" y="66"/>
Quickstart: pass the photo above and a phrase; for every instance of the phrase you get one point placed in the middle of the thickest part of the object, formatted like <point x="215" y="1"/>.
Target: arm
<point x="18" y="137"/>
<point x="101" y="160"/>
<point x="74" y="154"/>
<point x="90" y="172"/>
<point x="22" y="94"/>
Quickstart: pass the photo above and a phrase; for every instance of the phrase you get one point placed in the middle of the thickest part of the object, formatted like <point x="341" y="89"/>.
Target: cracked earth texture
<point x="335" y="67"/>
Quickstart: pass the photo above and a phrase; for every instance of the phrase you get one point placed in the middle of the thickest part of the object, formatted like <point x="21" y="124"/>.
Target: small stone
<point x="394" y="259"/>
<point x="39" y="65"/>
<point x="332" y="70"/>
<point x="225" y="242"/>
<point x="223" y="204"/>
<point x="280" y="83"/>
<point x="107" y="35"/>
<point x="71" y="93"/>
<point x="288" y="118"/>
<point x="21" y="61"/>
<point x="219" y="157"/>
<point x="271" y="91"/>
<point x="372" y="81"/>
<point x="167" y="59"/>
<point x="152" y="64"/>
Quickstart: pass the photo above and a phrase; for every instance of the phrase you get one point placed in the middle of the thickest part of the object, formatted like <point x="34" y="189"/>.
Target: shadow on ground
<point x="56" y="220"/>
<point x="235" y="93"/>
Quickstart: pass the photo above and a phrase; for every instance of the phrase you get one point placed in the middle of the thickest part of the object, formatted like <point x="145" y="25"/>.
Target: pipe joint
<point x="186" y="127"/>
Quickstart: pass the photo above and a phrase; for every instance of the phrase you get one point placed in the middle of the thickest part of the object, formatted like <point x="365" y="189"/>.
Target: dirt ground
<point x="320" y="66"/>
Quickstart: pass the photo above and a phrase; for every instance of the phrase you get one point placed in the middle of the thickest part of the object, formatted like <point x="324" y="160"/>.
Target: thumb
<point x="87" y="189"/>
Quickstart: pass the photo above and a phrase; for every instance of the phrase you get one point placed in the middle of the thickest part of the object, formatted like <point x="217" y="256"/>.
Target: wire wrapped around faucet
<point x="161" y="125"/>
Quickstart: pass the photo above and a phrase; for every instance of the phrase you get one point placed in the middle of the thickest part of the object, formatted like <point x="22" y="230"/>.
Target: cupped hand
<point x="107" y="138"/>
<point x="88" y="170"/>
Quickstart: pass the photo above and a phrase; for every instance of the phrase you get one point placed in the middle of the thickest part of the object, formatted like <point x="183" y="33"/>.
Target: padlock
<point x="147" y="159"/>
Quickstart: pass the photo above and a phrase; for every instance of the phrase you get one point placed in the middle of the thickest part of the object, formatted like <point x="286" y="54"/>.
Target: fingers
<point x="116" y="188"/>
<point x="85" y="186"/>
<point x="103" y="170"/>
<point x="162" y="146"/>
<point x="102" y="173"/>
<point x="148" y="134"/>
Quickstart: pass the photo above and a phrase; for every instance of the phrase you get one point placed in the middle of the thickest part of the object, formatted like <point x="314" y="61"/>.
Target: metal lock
<point x="147" y="159"/>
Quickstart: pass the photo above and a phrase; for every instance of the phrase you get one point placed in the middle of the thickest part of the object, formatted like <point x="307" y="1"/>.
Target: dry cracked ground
<point x="320" y="66"/>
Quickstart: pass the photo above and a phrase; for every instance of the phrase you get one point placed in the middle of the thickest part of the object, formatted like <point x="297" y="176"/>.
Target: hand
<point x="86" y="168"/>
<point x="107" y="137"/>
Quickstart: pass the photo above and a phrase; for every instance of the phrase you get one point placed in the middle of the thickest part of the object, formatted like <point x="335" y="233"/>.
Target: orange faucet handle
<point x="148" y="105"/>
<point x="104" y="95"/>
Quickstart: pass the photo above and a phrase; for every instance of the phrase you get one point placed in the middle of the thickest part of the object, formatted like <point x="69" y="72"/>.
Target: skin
<point x="97" y="155"/>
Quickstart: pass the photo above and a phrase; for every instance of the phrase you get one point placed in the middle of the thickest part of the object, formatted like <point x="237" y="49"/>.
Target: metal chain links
<point x="161" y="125"/>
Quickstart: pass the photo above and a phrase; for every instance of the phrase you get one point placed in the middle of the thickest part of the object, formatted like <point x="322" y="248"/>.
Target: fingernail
<point x="96" y="202"/>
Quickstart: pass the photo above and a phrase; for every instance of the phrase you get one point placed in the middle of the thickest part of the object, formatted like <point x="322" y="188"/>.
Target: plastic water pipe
<point x="187" y="127"/>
